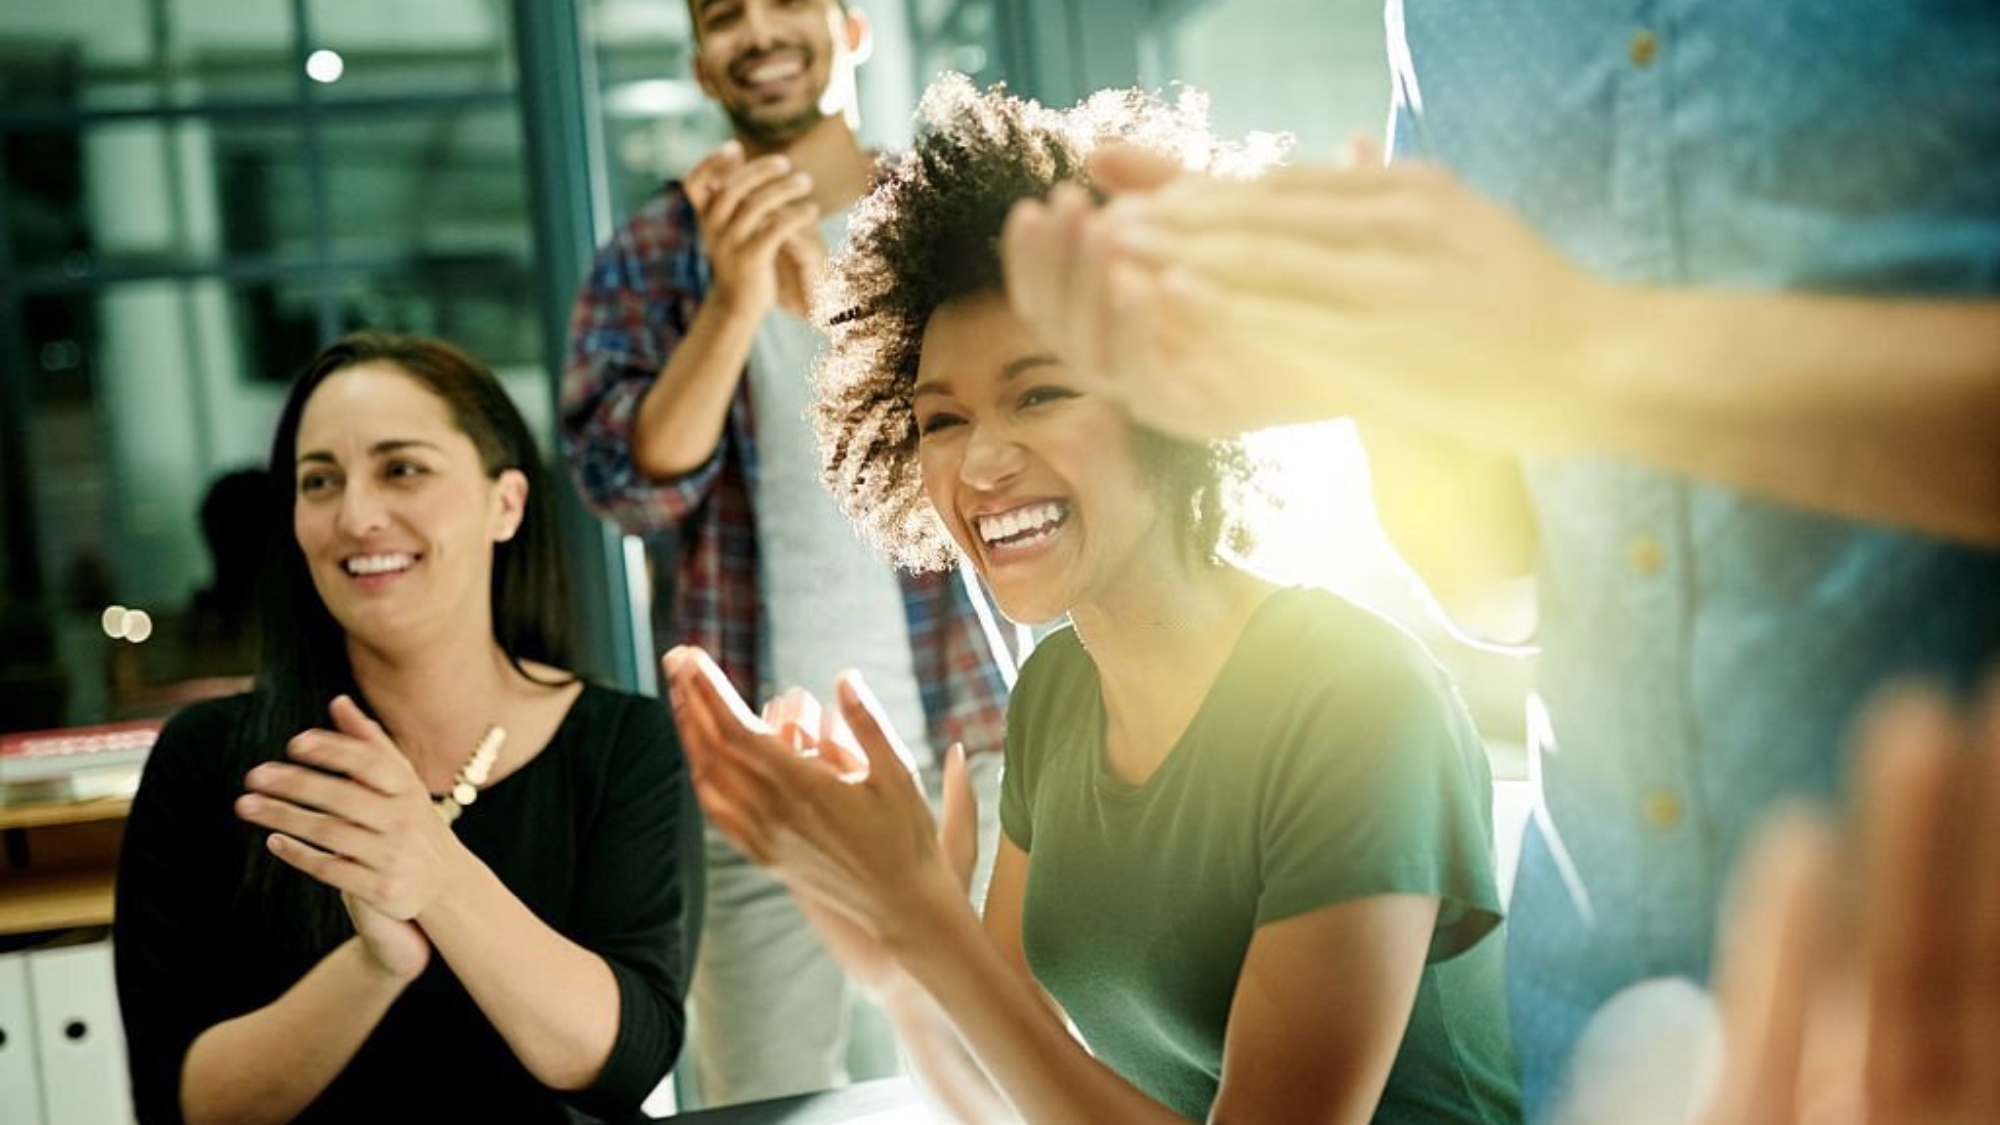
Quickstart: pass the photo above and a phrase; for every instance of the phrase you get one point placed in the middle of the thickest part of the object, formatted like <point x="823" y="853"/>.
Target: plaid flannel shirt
<point x="642" y="292"/>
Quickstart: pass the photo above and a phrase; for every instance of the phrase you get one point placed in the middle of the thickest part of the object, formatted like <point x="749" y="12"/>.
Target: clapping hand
<point x="839" y="817"/>
<point x="759" y="228"/>
<point x="353" y="815"/>
<point x="1883" y="1010"/>
<point x="1212" y="306"/>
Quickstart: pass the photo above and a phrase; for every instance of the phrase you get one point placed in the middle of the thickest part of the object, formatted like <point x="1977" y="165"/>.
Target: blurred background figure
<point x="210" y="648"/>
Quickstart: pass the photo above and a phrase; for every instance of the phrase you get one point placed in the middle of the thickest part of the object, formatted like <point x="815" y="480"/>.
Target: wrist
<point x="459" y="875"/>
<point x="896" y="992"/>
<point x="380" y="976"/>
<point x="1604" y="370"/>
<point x="903" y="1000"/>
<point x="734" y="307"/>
<point x="926" y="931"/>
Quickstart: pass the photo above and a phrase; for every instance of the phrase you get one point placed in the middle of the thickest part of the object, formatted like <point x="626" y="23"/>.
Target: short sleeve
<point x="1045" y="710"/>
<point x="1015" y="822"/>
<point x="1380" y="786"/>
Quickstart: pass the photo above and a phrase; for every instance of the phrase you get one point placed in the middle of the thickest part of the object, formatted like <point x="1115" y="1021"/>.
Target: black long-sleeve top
<point x="598" y="835"/>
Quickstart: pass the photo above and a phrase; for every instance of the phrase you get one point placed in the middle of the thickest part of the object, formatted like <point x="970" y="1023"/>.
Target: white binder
<point x="20" y="1069"/>
<point x="79" y="1036"/>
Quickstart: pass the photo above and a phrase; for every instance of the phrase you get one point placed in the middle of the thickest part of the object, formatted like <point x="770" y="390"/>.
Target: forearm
<point x="941" y="1065"/>
<point x="1045" y="1073"/>
<point x="680" y="420"/>
<point x="554" y="1002"/>
<point x="1880" y="410"/>
<point x="268" y="1065"/>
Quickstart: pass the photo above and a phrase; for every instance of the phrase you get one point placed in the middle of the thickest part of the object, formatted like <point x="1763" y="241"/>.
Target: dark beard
<point x="770" y="133"/>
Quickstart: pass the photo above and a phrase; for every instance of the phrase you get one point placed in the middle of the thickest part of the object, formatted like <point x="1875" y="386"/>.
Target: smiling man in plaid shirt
<point x="683" y="412"/>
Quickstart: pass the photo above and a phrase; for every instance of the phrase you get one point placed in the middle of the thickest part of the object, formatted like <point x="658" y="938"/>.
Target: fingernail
<point x="849" y="687"/>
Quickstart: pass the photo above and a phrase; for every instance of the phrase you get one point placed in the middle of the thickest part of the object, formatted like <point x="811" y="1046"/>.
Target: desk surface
<point x="887" y="1101"/>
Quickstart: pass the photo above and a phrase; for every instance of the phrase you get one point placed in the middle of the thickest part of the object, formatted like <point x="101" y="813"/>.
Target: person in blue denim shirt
<point x="1692" y="312"/>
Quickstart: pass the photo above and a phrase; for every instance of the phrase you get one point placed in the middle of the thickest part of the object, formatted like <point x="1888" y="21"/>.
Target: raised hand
<point x="1211" y="306"/>
<point x="801" y="260"/>
<point x="757" y="221"/>
<point x="358" y="820"/>
<point x="958" y="820"/>
<point x="1884" y="1011"/>
<point x="846" y="826"/>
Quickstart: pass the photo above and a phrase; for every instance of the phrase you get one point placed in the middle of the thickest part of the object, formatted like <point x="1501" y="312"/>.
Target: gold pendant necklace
<point x="472" y="775"/>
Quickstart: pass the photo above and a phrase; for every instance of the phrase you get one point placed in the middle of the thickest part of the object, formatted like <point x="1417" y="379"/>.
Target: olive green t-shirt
<point x="1330" y="761"/>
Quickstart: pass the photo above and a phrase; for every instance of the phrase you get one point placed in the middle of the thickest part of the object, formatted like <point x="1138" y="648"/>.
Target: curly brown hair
<point x="929" y="233"/>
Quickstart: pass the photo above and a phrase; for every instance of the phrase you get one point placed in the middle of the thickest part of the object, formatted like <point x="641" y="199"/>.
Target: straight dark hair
<point x="304" y="660"/>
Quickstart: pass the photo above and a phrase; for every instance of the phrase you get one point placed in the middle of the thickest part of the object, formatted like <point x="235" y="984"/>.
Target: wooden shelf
<point x="64" y="812"/>
<point x="55" y="899"/>
<point x="61" y="863"/>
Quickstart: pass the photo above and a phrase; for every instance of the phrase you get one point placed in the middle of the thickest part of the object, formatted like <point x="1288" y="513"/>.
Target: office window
<point x="195" y="195"/>
<point x="1317" y="69"/>
<point x="145" y="55"/>
<point x="656" y="123"/>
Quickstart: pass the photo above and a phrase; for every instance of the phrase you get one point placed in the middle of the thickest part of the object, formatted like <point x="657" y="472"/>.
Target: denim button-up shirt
<point x="1704" y="651"/>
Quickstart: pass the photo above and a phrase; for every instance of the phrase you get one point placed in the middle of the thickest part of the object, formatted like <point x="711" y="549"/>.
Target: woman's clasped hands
<point x="353" y="814"/>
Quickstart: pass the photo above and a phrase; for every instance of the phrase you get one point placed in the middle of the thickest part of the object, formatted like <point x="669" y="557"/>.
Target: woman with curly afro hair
<point x="1246" y="828"/>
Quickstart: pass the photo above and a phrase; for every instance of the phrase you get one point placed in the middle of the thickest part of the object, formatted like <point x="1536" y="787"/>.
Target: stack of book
<point x="74" y="763"/>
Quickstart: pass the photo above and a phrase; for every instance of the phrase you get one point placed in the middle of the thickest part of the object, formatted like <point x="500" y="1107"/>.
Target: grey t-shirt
<point x="830" y="602"/>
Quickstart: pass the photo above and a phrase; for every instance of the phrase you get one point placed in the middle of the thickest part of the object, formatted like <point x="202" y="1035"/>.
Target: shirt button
<point x="1645" y="45"/>
<point x="1663" y="809"/>
<point x="1645" y="554"/>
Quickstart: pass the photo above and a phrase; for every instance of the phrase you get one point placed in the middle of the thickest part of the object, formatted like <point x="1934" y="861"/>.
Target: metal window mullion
<point x="18" y="528"/>
<point x="570" y="198"/>
<point x="312" y="144"/>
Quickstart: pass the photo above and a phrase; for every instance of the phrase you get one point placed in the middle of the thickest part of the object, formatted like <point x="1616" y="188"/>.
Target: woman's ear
<point x="512" y="490"/>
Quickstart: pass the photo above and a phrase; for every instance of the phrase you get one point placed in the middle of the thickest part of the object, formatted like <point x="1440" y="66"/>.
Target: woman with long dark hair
<point x="421" y="870"/>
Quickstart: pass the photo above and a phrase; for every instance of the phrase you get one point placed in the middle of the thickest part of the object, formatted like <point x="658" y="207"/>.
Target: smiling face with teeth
<point x="1039" y="484"/>
<point x="777" y="67"/>
<point x="395" y="513"/>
